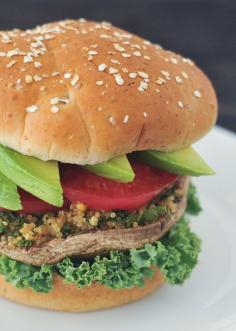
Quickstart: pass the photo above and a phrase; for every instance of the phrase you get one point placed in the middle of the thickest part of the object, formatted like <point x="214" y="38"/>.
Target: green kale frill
<point x="175" y="255"/>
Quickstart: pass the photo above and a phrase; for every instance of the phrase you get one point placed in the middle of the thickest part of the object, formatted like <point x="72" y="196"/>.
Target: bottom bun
<point x="65" y="297"/>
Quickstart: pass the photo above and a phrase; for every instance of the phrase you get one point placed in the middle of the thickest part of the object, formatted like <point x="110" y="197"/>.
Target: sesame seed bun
<point x="69" y="298"/>
<point x="83" y="92"/>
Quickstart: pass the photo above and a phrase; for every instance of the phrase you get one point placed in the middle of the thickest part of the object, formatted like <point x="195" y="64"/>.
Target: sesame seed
<point x="115" y="61"/>
<point x="178" y="80"/>
<point x="11" y="64"/>
<point x="142" y="86"/>
<point x="184" y="75"/>
<point x="37" y="65"/>
<point x="197" y="94"/>
<point x="54" y="101"/>
<point x="6" y="39"/>
<point x="75" y="80"/>
<point x="146" y="57"/>
<point x="126" y="119"/>
<point x="67" y="75"/>
<point x="92" y="52"/>
<point x="188" y="61"/>
<point x="42" y="88"/>
<point x="102" y="67"/>
<point x="173" y="60"/>
<point x="31" y="109"/>
<point x="35" y="44"/>
<point x="180" y="104"/>
<point x="112" y="71"/>
<point x="165" y="73"/>
<point x="105" y="36"/>
<point x="64" y="100"/>
<point x="99" y="82"/>
<point x="13" y="52"/>
<point x="158" y="46"/>
<point x="37" y="78"/>
<point x="157" y="90"/>
<point x="99" y="108"/>
<point x="48" y="37"/>
<point x="119" y="80"/>
<point x="160" y="81"/>
<point x="119" y="48"/>
<point x="28" y="58"/>
<point x="54" y="109"/>
<point x="133" y="75"/>
<point x="145" y="114"/>
<point x="112" y="120"/>
<point x="137" y="53"/>
<point x="126" y="55"/>
<point x="125" y="70"/>
<point x="117" y="34"/>
<point x="143" y="74"/>
<point x="55" y="73"/>
<point x="28" y="79"/>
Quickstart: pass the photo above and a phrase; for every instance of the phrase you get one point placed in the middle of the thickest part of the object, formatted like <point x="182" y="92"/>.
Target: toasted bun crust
<point x="83" y="92"/>
<point x="68" y="298"/>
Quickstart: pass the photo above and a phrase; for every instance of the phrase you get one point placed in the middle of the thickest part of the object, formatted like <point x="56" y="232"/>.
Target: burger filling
<point x="37" y="246"/>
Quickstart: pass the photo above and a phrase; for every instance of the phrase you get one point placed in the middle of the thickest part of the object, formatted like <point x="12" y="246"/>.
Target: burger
<point x="96" y="128"/>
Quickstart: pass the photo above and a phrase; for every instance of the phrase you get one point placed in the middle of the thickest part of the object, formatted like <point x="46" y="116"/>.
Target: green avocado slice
<point x="39" y="178"/>
<point x="183" y="162"/>
<point x="9" y="197"/>
<point x="118" y="169"/>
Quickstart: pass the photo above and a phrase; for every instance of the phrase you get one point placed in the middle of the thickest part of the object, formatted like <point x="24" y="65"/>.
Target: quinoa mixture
<point x="33" y="230"/>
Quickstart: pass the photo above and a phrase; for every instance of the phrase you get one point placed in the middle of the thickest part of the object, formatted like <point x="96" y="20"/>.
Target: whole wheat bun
<point x="83" y="92"/>
<point x="69" y="298"/>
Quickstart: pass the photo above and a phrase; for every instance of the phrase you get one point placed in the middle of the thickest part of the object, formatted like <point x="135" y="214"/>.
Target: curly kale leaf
<point x="193" y="203"/>
<point x="25" y="276"/>
<point x="115" y="271"/>
<point x="175" y="255"/>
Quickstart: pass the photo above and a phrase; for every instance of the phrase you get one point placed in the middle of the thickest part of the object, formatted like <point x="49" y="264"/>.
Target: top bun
<point x="84" y="92"/>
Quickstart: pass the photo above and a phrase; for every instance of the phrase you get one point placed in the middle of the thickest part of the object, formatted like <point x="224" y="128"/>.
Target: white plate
<point x="207" y="302"/>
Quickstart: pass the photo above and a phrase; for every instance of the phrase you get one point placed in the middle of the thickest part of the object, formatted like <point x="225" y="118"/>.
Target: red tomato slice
<point x="103" y="194"/>
<point x="33" y="205"/>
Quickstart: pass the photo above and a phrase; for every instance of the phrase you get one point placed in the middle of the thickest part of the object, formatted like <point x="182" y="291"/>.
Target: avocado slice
<point x="9" y="197"/>
<point x="118" y="169"/>
<point x="39" y="178"/>
<point x="183" y="162"/>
